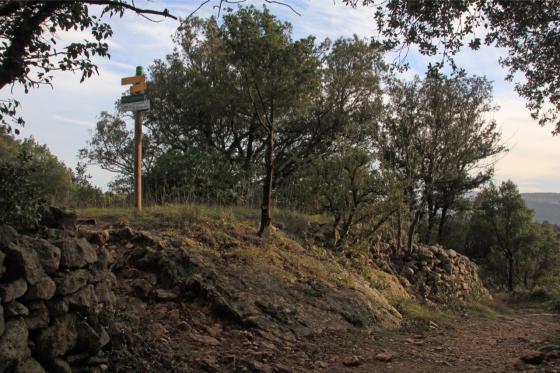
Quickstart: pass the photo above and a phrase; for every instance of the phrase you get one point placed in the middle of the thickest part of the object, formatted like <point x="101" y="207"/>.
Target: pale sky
<point x="63" y="117"/>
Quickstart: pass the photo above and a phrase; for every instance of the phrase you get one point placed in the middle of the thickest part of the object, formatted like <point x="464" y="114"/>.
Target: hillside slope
<point x="545" y="205"/>
<point x="198" y="290"/>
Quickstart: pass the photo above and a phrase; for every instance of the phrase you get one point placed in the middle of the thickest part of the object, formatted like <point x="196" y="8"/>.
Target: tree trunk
<point x="510" y="272"/>
<point x="442" y="223"/>
<point x="267" y="184"/>
<point x="399" y="229"/>
<point x="412" y="229"/>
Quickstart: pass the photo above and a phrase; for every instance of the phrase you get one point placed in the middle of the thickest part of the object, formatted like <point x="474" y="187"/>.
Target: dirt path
<point x="466" y="345"/>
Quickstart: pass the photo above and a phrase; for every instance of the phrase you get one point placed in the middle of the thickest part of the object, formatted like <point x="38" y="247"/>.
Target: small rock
<point x="44" y="289"/>
<point x="261" y="367"/>
<point x="15" y="308"/>
<point x="29" y="365"/>
<point x="204" y="339"/>
<point x="12" y="290"/>
<point x="90" y="339"/>
<point x="165" y="295"/>
<point x="385" y="356"/>
<point x="59" y="365"/>
<point x="141" y="288"/>
<point x="215" y="330"/>
<point x="352" y="361"/>
<point x="38" y="315"/>
<point x="85" y="299"/>
<point x="452" y="253"/>
<point x="533" y="357"/>
<point x="71" y="282"/>
<point x="281" y="368"/>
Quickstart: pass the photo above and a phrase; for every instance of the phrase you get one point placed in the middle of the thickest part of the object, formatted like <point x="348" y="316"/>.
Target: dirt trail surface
<point x="466" y="345"/>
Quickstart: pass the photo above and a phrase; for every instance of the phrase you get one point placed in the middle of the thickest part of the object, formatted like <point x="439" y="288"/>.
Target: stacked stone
<point x="440" y="274"/>
<point x="52" y="292"/>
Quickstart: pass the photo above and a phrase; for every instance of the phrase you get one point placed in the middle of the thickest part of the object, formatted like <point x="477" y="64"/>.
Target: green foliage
<point x="528" y="30"/>
<point x="29" y="53"/>
<point x="437" y="141"/>
<point x="503" y="219"/>
<point x="348" y="187"/>
<point x="20" y="199"/>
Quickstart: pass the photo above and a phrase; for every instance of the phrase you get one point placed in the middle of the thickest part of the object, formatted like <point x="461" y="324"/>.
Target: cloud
<point x="78" y="122"/>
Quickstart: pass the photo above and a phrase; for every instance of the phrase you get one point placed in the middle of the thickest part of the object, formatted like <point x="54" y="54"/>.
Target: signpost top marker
<point x="137" y="100"/>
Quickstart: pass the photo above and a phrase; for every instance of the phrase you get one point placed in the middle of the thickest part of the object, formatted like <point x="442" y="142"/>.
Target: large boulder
<point x="49" y="254"/>
<point x="53" y="217"/>
<point x="60" y="337"/>
<point x="38" y="315"/>
<point x="7" y="236"/>
<point x="13" y="344"/>
<point x="23" y="260"/>
<point x="12" y="290"/>
<point x="76" y="252"/>
<point x="44" y="289"/>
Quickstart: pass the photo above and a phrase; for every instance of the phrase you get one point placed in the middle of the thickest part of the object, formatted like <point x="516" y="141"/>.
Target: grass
<point x="182" y="216"/>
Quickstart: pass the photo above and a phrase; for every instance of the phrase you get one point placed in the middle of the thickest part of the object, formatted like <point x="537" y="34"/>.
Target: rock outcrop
<point x="249" y="293"/>
<point x="52" y="291"/>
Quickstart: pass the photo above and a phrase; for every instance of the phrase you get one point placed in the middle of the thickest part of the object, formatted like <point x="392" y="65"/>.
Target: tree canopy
<point x="528" y="30"/>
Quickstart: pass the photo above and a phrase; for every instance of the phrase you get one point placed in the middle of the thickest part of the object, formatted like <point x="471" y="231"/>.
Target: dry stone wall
<point x="441" y="275"/>
<point x="53" y="291"/>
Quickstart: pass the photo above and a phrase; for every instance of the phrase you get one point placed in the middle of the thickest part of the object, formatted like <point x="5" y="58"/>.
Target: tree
<point x="280" y="78"/>
<point x="503" y="211"/>
<point x="222" y="85"/>
<point x="111" y="146"/>
<point x="436" y="138"/>
<point x="29" y="52"/>
<point x="350" y="188"/>
<point x="528" y="30"/>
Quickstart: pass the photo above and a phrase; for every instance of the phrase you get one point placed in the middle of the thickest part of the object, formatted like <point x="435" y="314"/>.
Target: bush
<point x="19" y="197"/>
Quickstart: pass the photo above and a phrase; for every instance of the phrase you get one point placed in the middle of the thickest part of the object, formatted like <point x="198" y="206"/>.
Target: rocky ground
<point x="214" y="297"/>
<point x="184" y="309"/>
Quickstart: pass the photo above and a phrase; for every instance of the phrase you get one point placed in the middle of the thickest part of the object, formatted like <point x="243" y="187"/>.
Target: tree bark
<point x="412" y="229"/>
<point x="510" y="272"/>
<point x="442" y="221"/>
<point x="267" y="184"/>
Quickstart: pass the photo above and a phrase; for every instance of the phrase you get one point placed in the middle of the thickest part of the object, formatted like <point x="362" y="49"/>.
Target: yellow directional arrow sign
<point x="138" y="83"/>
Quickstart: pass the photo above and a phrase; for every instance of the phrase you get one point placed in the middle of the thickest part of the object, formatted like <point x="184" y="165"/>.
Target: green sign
<point x="135" y="103"/>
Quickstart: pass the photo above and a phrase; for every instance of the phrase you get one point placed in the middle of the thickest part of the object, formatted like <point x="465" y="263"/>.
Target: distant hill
<point x="545" y="205"/>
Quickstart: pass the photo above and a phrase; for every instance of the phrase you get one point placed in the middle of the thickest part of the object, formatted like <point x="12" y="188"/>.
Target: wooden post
<point x="136" y="102"/>
<point x="138" y="159"/>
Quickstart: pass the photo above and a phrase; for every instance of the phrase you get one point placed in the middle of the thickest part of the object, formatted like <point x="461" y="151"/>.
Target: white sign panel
<point x="136" y="106"/>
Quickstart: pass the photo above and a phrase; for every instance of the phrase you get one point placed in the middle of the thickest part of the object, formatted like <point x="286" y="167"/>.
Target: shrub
<point x="19" y="197"/>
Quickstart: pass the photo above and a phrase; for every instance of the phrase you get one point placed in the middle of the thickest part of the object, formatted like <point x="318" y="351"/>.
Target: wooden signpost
<point x="137" y="103"/>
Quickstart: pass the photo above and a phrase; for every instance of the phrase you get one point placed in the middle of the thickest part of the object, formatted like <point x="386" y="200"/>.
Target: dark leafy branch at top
<point x="29" y="53"/>
<point x="528" y="30"/>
